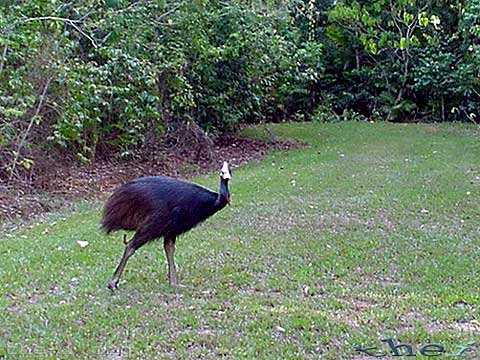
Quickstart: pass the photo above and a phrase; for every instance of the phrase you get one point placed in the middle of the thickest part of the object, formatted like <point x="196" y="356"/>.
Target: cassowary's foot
<point x="113" y="285"/>
<point x="178" y="286"/>
<point x="172" y="280"/>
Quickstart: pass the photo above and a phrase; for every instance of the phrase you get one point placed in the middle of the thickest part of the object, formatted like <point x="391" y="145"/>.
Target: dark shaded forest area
<point x="85" y="79"/>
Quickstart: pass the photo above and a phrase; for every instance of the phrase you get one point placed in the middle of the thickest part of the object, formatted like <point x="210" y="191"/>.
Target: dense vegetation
<point x="85" y="76"/>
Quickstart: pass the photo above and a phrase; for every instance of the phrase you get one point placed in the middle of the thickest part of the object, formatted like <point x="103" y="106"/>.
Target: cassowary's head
<point x="225" y="173"/>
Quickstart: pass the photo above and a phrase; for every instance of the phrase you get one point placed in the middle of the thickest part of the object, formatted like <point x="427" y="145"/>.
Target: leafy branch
<point x="41" y="100"/>
<point x="73" y="23"/>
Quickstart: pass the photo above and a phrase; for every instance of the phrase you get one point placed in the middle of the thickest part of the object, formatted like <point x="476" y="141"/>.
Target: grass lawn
<point x="370" y="232"/>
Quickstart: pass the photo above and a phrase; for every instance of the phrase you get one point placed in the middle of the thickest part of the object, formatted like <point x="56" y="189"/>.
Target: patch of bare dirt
<point x="56" y="183"/>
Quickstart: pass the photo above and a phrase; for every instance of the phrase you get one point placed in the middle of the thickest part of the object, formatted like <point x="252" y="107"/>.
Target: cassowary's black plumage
<point x="160" y="206"/>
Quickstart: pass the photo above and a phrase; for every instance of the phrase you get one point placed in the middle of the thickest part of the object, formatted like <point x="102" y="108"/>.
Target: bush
<point x="406" y="60"/>
<point x="112" y="77"/>
<point x="125" y="72"/>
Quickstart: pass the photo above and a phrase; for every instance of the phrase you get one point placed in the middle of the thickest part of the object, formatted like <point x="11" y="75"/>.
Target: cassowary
<point x="160" y="206"/>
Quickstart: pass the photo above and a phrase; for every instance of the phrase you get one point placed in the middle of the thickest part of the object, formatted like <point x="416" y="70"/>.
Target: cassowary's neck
<point x="224" y="195"/>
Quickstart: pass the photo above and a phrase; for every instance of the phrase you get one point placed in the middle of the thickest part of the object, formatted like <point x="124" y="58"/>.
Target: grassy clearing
<point x="372" y="231"/>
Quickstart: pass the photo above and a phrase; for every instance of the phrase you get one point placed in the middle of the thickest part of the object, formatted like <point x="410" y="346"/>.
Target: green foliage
<point x="406" y="59"/>
<point x="120" y="73"/>
<point x="127" y="71"/>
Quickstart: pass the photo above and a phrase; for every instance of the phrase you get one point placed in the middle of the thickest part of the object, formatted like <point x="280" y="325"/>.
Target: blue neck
<point x="224" y="193"/>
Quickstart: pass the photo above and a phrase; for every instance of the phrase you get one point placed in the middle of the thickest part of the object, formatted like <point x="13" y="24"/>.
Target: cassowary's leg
<point x="131" y="246"/>
<point x="169" y="246"/>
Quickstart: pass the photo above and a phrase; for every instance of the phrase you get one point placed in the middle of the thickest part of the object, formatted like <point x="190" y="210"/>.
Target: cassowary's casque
<point x="160" y="206"/>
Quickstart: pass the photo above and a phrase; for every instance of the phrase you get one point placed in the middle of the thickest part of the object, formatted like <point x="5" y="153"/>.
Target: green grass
<point x="371" y="231"/>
